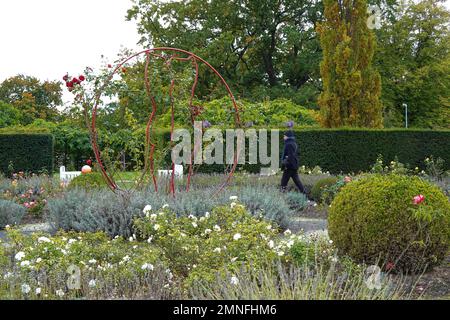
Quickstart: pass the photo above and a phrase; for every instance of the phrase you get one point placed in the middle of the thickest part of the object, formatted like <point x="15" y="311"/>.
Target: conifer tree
<point x="351" y="86"/>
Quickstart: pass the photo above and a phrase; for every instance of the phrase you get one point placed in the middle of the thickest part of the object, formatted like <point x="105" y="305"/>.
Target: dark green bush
<point x="318" y="188"/>
<point x="93" y="180"/>
<point x="26" y="152"/>
<point x="375" y="220"/>
<point x="10" y="213"/>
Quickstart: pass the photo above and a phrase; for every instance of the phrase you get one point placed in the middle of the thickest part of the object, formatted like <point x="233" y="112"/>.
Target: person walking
<point x="290" y="162"/>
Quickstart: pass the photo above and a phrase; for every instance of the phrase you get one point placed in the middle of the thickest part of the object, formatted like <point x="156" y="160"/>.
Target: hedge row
<point x="26" y="152"/>
<point x="336" y="150"/>
<point x="355" y="150"/>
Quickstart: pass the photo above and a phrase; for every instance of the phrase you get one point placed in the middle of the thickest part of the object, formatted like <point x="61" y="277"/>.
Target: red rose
<point x="69" y="84"/>
<point x="89" y="162"/>
<point x="109" y="66"/>
<point x="66" y="77"/>
<point x="82" y="78"/>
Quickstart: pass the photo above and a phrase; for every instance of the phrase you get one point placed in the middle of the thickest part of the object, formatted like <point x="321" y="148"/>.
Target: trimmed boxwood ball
<point x="375" y="220"/>
<point x="93" y="180"/>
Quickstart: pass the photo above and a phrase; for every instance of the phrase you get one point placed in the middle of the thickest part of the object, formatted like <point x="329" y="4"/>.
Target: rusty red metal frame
<point x="194" y="111"/>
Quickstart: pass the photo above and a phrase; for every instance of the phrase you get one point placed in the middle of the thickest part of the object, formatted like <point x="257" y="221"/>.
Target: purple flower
<point x="290" y="124"/>
<point x="206" y="124"/>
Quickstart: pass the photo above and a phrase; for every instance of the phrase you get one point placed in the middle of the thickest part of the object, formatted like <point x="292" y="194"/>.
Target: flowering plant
<point x="225" y="239"/>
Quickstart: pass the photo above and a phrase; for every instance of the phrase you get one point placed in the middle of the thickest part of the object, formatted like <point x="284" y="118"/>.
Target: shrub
<point x="108" y="269"/>
<point x="376" y="218"/>
<point x="91" y="211"/>
<point x="102" y="210"/>
<point x="31" y="192"/>
<point x="316" y="282"/>
<point x="26" y="152"/>
<point x="93" y="180"/>
<point x="319" y="187"/>
<point x="10" y="213"/>
<point x="198" y="248"/>
<point x="296" y="200"/>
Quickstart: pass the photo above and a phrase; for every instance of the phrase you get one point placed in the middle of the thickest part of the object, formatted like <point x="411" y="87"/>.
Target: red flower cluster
<point x="75" y="81"/>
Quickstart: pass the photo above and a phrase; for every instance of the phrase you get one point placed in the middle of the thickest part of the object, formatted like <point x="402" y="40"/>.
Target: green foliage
<point x="375" y="220"/>
<point x="89" y="181"/>
<point x="108" y="269"/>
<point x="260" y="47"/>
<point x="198" y="248"/>
<point x="395" y="167"/>
<point x="318" y="189"/>
<point x="273" y="113"/>
<point x="413" y="57"/>
<point x="26" y="152"/>
<point x="9" y="116"/>
<point x="10" y="213"/>
<point x="330" y="191"/>
<point x="33" y="98"/>
<point x="435" y="167"/>
<point x="351" y="86"/>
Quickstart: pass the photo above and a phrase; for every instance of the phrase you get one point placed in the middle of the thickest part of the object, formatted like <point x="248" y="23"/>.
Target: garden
<point x="94" y="204"/>
<point x="250" y="242"/>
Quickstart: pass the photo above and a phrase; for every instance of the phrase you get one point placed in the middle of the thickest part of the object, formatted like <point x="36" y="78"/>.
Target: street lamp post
<point x="406" y="115"/>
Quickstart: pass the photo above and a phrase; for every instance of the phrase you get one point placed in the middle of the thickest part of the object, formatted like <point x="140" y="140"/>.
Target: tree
<point x="262" y="47"/>
<point x="35" y="99"/>
<point x="413" y="57"/>
<point x="9" y="116"/>
<point x="351" y="87"/>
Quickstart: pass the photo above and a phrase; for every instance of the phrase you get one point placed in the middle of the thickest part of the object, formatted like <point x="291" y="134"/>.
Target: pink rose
<point x="418" y="199"/>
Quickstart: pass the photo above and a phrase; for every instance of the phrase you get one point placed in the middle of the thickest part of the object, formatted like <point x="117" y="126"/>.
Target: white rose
<point x="147" y="209"/>
<point x="234" y="281"/>
<point x="19" y="255"/>
<point x="26" y="288"/>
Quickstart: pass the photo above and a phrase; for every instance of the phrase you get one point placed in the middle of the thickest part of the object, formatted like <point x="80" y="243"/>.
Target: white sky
<point x="47" y="38"/>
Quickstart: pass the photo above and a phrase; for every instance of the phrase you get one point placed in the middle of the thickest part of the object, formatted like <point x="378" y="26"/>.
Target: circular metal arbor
<point x="149" y="60"/>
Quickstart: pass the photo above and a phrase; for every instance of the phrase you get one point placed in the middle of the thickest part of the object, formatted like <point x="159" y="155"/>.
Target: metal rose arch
<point x="167" y="55"/>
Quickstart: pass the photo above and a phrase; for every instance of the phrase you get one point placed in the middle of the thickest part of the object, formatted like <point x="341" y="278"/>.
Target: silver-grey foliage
<point x="104" y="211"/>
<point x="10" y="213"/>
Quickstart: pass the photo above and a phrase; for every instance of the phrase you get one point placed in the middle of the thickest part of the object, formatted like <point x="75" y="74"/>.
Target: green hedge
<point x="27" y="152"/>
<point x="354" y="150"/>
<point x="336" y="150"/>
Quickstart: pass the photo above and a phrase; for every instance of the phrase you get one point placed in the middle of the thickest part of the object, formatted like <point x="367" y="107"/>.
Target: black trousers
<point x="287" y="175"/>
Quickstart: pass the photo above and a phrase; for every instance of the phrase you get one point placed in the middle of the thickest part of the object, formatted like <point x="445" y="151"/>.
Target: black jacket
<point x="290" y="159"/>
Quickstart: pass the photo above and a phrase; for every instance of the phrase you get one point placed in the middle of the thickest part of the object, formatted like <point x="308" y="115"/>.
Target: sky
<point x="47" y="38"/>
